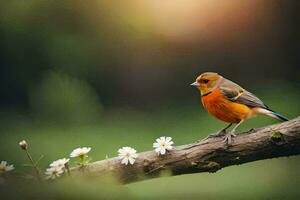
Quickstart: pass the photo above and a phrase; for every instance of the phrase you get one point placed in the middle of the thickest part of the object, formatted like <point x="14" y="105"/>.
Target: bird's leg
<point x="223" y="131"/>
<point x="228" y="137"/>
<point x="219" y="133"/>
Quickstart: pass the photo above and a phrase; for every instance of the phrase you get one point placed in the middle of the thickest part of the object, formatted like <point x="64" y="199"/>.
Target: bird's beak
<point x="195" y="84"/>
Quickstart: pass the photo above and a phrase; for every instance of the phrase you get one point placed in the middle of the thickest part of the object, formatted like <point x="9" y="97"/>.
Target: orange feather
<point x="220" y="107"/>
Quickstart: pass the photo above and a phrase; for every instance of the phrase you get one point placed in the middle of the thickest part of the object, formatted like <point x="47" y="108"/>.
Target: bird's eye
<point x="205" y="81"/>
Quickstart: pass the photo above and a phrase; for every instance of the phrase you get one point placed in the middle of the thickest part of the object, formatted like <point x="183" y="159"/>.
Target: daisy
<point x="60" y="163"/>
<point x="4" y="167"/>
<point x="127" y="154"/>
<point x="163" y="144"/>
<point x="53" y="172"/>
<point x="80" y="152"/>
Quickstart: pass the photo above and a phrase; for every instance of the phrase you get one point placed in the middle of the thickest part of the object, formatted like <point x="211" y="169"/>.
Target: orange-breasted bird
<point x="230" y="102"/>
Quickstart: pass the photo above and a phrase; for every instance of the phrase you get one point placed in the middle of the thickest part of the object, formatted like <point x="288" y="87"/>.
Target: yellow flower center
<point x="127" y="155"/>
<point x="2" y="168"/>
<point x="163" y="144"/>
<point x="81" y="154"/>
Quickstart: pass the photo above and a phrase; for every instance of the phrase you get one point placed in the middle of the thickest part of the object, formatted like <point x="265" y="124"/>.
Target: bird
<point x="230" y="103"/>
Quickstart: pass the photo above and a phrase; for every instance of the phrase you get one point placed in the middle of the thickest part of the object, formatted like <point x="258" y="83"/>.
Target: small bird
<point x="230" y="102"/>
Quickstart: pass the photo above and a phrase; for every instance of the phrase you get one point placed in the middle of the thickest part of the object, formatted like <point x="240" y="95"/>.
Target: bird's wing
<point x="236" y="93"/>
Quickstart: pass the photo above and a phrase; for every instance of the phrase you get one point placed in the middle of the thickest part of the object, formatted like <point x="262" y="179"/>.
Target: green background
<point x="108" y="74"/>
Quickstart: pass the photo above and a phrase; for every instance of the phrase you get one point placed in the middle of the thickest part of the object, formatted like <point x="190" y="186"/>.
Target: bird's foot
<point x="252" y="130"/>
<point x="218" y="134"/>
<point x="228" y="138"/>
<point x="214" y="135"/>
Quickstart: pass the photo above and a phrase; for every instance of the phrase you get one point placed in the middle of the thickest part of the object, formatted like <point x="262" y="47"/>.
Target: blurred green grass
<point x="269" y="179"/>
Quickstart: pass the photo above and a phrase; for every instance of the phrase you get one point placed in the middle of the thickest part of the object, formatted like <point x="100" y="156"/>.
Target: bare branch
<point x="209" y="155"/>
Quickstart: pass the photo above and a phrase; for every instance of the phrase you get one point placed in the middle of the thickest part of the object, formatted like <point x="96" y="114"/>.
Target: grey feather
<point x="236" y="93"/>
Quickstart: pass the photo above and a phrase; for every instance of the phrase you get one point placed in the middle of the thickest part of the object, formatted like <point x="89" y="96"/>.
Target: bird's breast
<point x="222" y="108"/>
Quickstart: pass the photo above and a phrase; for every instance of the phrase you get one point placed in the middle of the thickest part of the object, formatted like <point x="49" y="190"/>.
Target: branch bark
<point x="208" y="155"/>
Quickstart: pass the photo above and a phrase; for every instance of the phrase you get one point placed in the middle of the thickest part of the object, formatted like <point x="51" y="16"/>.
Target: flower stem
<point x="37" y="171"/>
<point x="67" y="168"/>
<point x="82" y="162"/>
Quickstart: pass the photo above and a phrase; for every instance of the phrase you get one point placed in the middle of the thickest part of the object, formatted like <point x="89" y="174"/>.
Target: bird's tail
<point x="273" y="114"/>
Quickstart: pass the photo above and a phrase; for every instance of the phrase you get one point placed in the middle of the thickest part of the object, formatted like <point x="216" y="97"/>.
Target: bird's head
<point x="207" y="82"/>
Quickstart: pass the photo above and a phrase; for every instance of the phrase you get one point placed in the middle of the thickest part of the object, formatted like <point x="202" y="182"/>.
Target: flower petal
<point x="131" y="160"/>
<point x="163" y="151"/>
<point x="155" y="145"/>
<point x="10" y="168"/>
<point x="168" y="139"/>
<point x="125" y="161"/>
<point x="169" y="147"/>
<point x="158" y="140"/>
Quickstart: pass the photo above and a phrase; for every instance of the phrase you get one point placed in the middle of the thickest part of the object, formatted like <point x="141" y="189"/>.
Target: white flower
<point x="59" y="163"/>
<point x="163" y="144"/>
<point x="23" y="144"/>
<point x="80" y="152"/>
<point x="54" y="172"/>
<point x="127" y="154"/>
<point x="4" y="167"/>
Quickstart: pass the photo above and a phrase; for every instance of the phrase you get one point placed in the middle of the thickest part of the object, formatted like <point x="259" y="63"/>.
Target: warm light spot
<point x="199" y="19"/>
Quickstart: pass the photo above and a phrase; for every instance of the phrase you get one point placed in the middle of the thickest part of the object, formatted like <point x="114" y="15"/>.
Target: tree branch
<point x="209" y="155"/>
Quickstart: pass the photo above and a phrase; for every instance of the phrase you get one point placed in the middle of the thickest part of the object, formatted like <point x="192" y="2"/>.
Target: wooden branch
<point x="209" y="155"/>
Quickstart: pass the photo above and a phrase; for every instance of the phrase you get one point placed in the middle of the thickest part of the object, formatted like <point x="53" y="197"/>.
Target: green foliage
<point x="66" y="188"/>
<point x="61" y="99"/>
